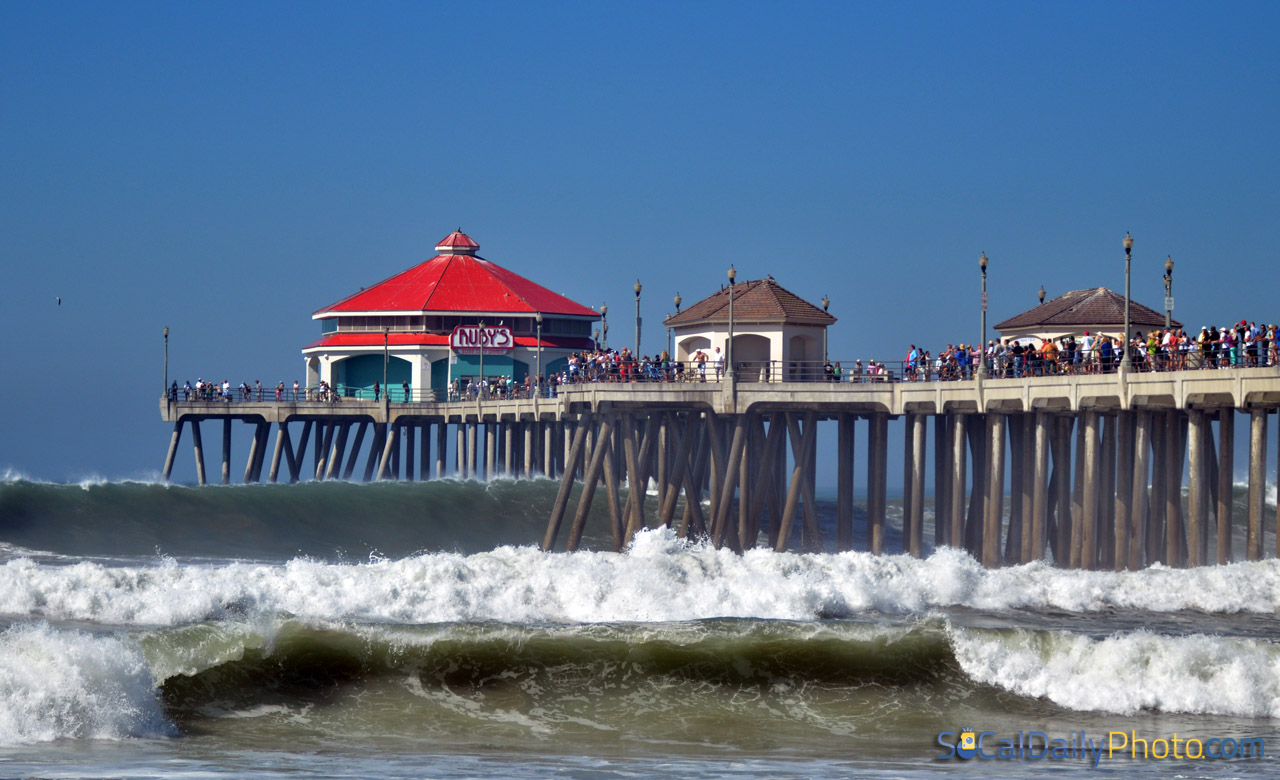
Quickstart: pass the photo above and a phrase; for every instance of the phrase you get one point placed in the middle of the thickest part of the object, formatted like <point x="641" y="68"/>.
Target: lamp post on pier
<point x="482" y="382"/>
<point x="538" y="318"/>
<point x="637" y="288"/>
<point x="670" y="343"/>
<point x="1125" y="365"/>
<point x="386" y="337"/>
<point x="731" y="375"/>
<point x="1168" y="291"/>
<point x="982" y="345"/>
<point x="166" y="361"/>
<point x="604" y="324"/>
<point x="826" y="304"/>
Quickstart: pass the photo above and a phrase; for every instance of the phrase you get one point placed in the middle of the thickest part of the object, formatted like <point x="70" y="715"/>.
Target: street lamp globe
<point x="1042" y="293"/>
<point x="678" y="300"/>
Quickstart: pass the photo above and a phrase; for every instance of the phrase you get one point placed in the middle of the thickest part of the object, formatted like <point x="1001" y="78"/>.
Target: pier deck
<point x="1091" y="465"/>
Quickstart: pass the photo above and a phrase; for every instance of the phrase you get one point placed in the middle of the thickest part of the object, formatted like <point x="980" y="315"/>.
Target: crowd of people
<point x="223" y="391"/>
<point x="1243" y="345"/>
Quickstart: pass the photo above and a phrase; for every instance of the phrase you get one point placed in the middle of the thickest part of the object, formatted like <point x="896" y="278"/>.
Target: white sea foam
<point x="659" y="578"/>
<point x="57" y="684"/>
<point x="1128" y="672"/>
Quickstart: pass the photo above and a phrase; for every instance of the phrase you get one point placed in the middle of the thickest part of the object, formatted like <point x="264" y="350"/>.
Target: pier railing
<point x="746" y="372"/>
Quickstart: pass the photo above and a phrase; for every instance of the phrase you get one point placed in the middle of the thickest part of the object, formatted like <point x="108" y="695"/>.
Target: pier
<point x="1091" y="466"/>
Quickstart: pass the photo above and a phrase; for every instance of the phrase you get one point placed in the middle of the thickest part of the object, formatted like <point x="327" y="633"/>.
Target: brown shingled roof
<point x="763" y="300"/>
<point x="1096" y="306"/>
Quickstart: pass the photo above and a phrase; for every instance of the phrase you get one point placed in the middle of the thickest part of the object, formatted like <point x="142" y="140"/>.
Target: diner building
<point x="456" y="316"/>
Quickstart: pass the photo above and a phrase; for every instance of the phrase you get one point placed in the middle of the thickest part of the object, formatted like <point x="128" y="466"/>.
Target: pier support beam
<point x="1197" y="495"/>
<point x="490" y="450"/>
<point x="844" y="482"/>
<point x="941" y="478"/>
<point x="877" y="480"/>
<point x="1092" y="471"/>
<point x="354" y="458"/>
<point x="226" y="450"/>
<point x="956" y="512"/>
<point x="173" y="450"/>
<point x="375" y="450"/>
<point x="1140" y="505"/>
<point x="548" y="442"/>
<point x="566" y="484"/>
<point x="410" y="450"/>
<point x="1226" y="466"/>
<point x="1257" y="482"/>
<point x="473" y="450"/>
<point x="257" y="452"/>
<point x="1175" y="538"/>
<point x="995" y="491"/>
<point x="442" y="446"/>
<point x="1039" y="489"/>
<point x="590" y="479"/>
<point x="508" y="449"/>
<point x="385" y="467"/>
<point x="917" y="422"/>
<point x="1124" y="491"/>
<point x="199" y="452"/>
<point x="282" y="432"/>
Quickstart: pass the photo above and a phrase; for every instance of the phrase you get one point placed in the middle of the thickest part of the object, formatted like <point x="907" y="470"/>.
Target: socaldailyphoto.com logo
<point x="969" y="743"/>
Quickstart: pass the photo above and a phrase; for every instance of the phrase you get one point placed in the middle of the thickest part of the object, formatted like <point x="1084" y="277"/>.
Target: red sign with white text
<point x="470" y="339"/>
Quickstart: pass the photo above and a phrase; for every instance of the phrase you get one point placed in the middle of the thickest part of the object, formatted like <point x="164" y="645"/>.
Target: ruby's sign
<point x="469" y="339"/>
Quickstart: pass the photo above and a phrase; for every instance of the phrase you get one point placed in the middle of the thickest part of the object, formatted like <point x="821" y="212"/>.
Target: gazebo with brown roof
<point x="771" y="326"/>
<point x="1097" y="310"/>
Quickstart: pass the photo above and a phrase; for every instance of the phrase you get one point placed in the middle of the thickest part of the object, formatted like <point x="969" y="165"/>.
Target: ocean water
<point x="413" y="630"/>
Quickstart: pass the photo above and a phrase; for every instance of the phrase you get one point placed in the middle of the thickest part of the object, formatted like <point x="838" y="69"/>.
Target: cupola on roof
<point x="457" y="243"/>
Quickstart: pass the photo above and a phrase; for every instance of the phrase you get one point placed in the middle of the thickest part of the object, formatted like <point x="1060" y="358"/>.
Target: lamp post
<point x="1128" y="256"/>
<point x="604" y="324"/>
<point x="1168" y="291"/>
<point x="386" y="333"/>
<point x="671" y="346"/>
<point x="166" y="361"/>
<point x="826" y="304"/>
<point x="482" y="383"/>
<point x="1042" y="293"/>
<point x="728" y="354"/>
<point x="538" y="318"/>
<point x="982" y="345"/>
<point x="637" y="288"/>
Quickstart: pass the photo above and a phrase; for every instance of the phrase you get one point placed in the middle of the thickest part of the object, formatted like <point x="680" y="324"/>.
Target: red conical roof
<point x="457" y="280"/>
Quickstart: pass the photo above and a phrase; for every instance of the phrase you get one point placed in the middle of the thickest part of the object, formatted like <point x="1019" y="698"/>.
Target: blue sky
<point x="225" y="169"/>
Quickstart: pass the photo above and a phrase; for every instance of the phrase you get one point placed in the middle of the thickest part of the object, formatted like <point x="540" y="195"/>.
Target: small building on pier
<point x="773" y="330"/>
<point x="455" y="316"/>
<point x="1098" y="310"/>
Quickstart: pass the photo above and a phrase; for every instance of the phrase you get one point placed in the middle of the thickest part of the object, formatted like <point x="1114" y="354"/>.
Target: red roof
<point x="457" y="280"/>
<point x="374" y="339"/>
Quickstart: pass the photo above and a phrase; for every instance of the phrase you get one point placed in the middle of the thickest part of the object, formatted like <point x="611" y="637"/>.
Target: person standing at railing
<point x="718" y="360"/>
<point x="405" y="387"/>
